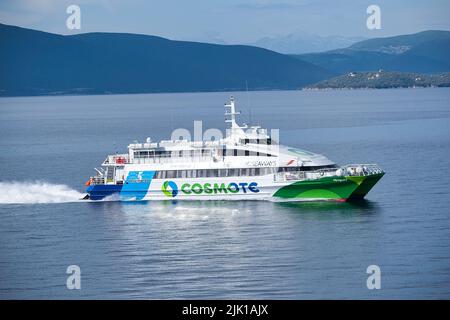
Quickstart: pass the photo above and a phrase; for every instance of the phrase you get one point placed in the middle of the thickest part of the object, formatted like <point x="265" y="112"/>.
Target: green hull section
<point x="364" y="185"/>
<point x="330" y="188"/>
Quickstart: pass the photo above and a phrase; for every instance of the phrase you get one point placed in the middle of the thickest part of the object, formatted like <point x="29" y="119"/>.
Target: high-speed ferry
<point x="246" y="164"/>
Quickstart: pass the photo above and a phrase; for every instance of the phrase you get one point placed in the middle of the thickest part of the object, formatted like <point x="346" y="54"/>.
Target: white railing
<point x="361" y="169"/>
<point x="117" y="159"/>
<point x="347" y="170"/>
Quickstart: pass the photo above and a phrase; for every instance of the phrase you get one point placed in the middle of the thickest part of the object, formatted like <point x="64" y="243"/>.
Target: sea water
<point x="223" y="249"/>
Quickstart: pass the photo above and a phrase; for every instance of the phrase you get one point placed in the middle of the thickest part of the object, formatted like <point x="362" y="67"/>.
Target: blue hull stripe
<point x="135" y="187"/>
<point x="100" y="191"/>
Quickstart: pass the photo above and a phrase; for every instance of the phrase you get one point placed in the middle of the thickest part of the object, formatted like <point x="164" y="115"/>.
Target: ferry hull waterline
<point x="248" y="164"/>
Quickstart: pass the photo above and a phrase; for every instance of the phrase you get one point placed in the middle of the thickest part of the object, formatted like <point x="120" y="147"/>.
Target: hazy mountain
<point x="401" y="44"/>
<point x="425" y="52"/>
<point x="35" y="62"/>
<point x="305" y="43"/>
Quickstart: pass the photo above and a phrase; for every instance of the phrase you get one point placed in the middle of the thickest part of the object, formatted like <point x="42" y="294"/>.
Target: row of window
<point x="289" y="169"/>
<point x="246" y="153"/>
<point x="257" y="141"/>
<point x="197" y="153"/>
<point x="210" y="173"/>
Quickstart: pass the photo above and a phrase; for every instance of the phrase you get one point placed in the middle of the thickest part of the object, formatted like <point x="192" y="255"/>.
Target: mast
<point x="236" y="131"/>
<point x="231" y="112"/>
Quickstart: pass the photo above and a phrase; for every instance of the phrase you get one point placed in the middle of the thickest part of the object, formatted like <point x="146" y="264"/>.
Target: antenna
<point x="248" y="103"/>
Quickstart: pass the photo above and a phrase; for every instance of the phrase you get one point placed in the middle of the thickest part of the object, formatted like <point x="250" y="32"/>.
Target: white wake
<point x="37" y="192"/>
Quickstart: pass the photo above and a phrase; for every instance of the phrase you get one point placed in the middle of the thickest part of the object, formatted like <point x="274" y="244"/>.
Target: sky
<point x="230" y="21"/>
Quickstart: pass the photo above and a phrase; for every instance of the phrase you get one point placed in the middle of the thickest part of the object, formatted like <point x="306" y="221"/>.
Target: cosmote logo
<point x="170" y="189"/>
<point x="209" y="188"/>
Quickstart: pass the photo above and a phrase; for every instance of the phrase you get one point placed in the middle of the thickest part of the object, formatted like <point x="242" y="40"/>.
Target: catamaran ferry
<point x="247" y="164"/>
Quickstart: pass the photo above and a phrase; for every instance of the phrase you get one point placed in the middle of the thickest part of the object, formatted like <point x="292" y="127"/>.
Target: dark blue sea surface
<point x="221" y="249"/>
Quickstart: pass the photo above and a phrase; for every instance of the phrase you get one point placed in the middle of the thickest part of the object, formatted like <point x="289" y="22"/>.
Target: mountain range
<point x="423" y="52"/>
<point x="40" y="63"/>
<point x="34" y="63"/>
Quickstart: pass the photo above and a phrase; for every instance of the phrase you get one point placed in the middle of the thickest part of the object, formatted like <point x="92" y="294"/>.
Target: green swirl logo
<point x="170" y="189"/>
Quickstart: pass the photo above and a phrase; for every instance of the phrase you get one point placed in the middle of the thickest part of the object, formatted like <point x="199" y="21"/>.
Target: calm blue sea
<point x="248" y="249"/>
